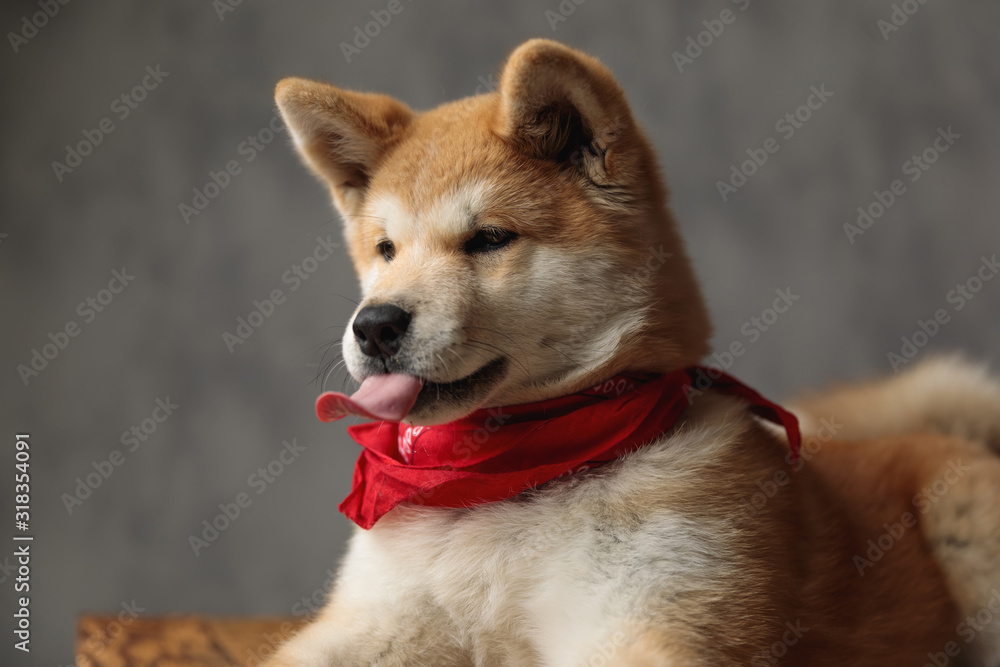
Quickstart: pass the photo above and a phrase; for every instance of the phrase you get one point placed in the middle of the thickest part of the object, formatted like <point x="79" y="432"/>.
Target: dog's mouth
<point x="394" y="396"/>
<point x="468" y="391"/>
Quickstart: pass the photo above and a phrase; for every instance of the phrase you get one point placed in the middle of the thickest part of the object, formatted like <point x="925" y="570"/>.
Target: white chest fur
<point x="555" y="574"/>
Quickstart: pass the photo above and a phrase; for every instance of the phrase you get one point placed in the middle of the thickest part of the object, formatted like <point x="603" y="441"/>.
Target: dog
<point x="503" y="247"/>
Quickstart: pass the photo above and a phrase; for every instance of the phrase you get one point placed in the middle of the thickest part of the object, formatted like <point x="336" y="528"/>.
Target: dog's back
<point x="916" y="472"/>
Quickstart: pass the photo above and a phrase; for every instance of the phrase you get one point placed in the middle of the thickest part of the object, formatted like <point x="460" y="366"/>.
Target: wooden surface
<point x="123" y="641"/>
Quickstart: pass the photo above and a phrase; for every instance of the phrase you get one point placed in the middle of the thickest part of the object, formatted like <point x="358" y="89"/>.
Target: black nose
<point x="378" y="329"/>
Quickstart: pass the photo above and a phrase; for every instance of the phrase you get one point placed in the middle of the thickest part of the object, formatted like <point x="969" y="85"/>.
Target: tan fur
<point x="944" y="394"/>
<point x="667" y="556"/>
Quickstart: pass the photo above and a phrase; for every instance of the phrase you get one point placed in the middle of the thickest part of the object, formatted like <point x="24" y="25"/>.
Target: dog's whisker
<point x="321" y="226"/>
<point x="370" y="217"/>
<point x="343" y="384"/>
<point x="501" y="333"/>
<point x="346" y="298"/>
<point x="447" y="368"/>
<point x="490" y="347"/>
<point x="329" y="369"/>
<point x="333" y="369"/>
<point x="329" y="345"/>
<point x="568" y="358"/>
<point x="325" y="366"/>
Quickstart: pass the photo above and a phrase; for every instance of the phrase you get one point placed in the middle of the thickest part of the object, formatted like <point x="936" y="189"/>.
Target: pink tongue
<point x="388" y="397"/>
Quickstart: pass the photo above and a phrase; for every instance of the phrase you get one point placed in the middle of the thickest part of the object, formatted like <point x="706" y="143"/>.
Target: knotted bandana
<point x="497" y="453"/>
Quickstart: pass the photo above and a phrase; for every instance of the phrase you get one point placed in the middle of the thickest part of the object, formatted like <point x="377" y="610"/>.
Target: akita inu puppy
<point x="550" y="480"/>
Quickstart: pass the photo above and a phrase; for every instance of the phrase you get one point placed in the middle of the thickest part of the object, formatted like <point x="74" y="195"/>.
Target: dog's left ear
<point x="560" y="104"/>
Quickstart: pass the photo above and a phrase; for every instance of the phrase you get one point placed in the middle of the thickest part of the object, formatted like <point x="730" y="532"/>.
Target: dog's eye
<point x="489" y="238"/>
<point x="387" y="249"/>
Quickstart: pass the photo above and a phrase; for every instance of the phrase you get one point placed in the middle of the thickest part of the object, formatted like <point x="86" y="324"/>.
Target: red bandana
<point x="497" y="453"/>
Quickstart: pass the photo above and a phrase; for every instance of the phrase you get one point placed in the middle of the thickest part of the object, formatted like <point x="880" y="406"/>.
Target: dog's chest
<point x="517" y="578"/>
<point x="556" y="574"/>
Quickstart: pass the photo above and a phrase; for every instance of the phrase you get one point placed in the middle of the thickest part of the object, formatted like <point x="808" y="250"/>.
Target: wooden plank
<point x="172" y="641"/>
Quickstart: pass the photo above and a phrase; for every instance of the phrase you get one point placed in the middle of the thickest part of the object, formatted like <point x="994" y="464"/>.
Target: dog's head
<point x="511" y="246"/>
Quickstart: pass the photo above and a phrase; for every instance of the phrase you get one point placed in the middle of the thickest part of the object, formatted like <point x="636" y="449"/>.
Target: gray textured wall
<point x="162" y="335"/>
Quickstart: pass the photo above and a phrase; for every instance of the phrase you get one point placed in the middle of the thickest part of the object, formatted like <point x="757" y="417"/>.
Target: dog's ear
<point x="557" y="103"/>
<point x="342" y="135"/>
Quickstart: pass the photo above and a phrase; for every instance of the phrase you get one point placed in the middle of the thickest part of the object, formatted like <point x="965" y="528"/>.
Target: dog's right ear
<point x="560" y="104"/>
<point x="342" y="135"/>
